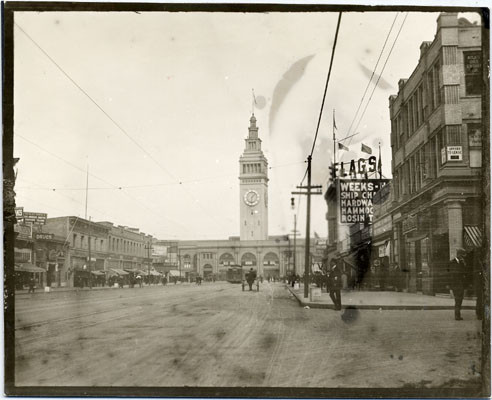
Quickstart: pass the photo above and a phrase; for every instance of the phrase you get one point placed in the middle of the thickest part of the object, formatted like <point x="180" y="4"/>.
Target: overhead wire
<point x="382" y="70"/>
<point x="349" y="131"/>
<point x="121" y="129"/>
<point x="152" y="184"/>
<point x="372" y="75"/>
<point x="101" y="179"/>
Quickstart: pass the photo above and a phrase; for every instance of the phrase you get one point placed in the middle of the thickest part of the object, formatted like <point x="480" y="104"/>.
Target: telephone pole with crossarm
<point x="308" y="192"/>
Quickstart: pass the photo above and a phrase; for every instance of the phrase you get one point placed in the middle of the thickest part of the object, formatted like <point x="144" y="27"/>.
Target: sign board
<point x="33" y="218"/>
<point x="24" y="231"/>
<point x="443" y="155"/>
<point x="19" y="212"/>
<point x="356" y="199"/>
<point x="409" y="224"/>
<point x="474" y="135"/>
<point x="354" y="168"/>
<point x="455" y="153"/>
<point x="43" y="236"/>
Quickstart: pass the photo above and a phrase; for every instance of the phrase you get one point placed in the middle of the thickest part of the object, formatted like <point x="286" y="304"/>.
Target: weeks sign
<point x="356" y="199"/>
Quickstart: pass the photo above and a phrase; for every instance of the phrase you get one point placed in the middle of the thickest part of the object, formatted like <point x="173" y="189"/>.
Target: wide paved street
<point x="217" y="335"/>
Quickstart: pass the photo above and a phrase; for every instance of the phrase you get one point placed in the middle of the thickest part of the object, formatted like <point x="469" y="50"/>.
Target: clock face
<point x="251" y="198"/>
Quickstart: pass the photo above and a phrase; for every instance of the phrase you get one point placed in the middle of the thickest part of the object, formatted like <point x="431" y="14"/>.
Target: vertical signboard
<point x="356" y="197"/>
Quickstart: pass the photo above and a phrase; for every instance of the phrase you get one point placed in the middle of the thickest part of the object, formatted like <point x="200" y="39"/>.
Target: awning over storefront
<point x="98" y="273"/>
<point x="27" y="267"/>
<point x="473" y="236"/>
<point x="154" y="273"/>
<point x="174" y="272"/>
<point x="119" y="271"/>
<point x="350" y="261"/>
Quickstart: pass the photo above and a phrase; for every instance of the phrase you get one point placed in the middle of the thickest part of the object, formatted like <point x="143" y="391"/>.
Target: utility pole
<point x="90" y="257"/>
<point x="148" y="247"/>
<point x="307" y="265"/>
<point x="292" y="204"/>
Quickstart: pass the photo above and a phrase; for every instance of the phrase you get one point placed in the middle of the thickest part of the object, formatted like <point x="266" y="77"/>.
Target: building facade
<point x="253" y="188"/>
<point x="436" y="140"/>
<point x="110" y="247"/>
<point x="269" y="256"/>
<point x="127" y="248"/>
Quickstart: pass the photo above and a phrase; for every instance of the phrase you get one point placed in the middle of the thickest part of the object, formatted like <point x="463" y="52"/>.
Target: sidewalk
<point x="381" y="300"/>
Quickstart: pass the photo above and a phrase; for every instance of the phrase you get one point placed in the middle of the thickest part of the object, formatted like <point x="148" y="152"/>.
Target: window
<point x="101" y="245"/>
<point x="473" y="72"/>
<point x="453" y="135"/>
<point x="82" y="242"/>
<point x="437" y="87"/>
<point x="74" y="244"/>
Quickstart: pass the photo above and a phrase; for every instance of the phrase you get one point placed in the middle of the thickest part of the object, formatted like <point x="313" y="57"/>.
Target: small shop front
<point x="24" y="272"/>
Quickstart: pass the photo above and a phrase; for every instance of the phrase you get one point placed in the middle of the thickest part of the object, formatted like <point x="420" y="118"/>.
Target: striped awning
<point x="473" y="236"/>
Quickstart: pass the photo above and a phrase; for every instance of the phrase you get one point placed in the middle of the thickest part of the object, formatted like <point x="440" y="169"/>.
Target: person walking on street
<point x="250" y="278"/>
<point x="335" y="284"/>
<point x="32" y="284"/>
<point x="475" y="264"/>
<point x="458" y="280"/>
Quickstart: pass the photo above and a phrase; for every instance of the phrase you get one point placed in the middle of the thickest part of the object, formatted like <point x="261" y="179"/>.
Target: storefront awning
<point x="27" y="267"/>
<point x="473" y="236"/>
<point x="98" y="273"/>
<point x="119" y="271"/>
<point x="350" y="261"/>
<point x="154" y="273"/>
<point x="174" y="272"/>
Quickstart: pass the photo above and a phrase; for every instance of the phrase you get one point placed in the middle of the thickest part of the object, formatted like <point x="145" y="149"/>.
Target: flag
<point x="342" y="147"/>
<point x="316" y="236"/>
<point x="366" y="149"/>
<point x="334" y="122"/>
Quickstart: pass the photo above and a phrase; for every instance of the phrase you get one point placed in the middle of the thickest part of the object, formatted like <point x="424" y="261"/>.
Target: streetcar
<point x="234" y="274"/>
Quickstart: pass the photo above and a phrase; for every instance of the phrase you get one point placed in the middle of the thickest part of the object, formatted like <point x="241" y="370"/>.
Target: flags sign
<point x="366" y="149"/>
<point x="342" y="147"/>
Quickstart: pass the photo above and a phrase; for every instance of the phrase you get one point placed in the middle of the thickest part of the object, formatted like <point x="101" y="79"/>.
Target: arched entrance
<point x="248" y="261"/>
<point x="226" y="259"/>
<point x="271" y="266"/>
<point x="207" y="272"/>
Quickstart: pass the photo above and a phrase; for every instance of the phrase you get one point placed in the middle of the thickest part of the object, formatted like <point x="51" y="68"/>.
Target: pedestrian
<point x="383" y="273"/>
<point x="475" y="262"/>
<point x="335" y="284"/>
<point x="139" y="280"/>
<point x="458" y="280"/>
<point x="397" y="277"/>
<point x="32" y="284"/>
<point x="250" y="278"/>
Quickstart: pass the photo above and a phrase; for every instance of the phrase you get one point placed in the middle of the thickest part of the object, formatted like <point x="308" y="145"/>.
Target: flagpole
<point x="334" y="141"/>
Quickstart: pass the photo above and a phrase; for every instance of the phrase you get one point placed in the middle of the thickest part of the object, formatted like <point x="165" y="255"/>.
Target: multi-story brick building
<point x="111" y="248"/>
<point x="436" y="132"/>
<point x="127" y="248"/>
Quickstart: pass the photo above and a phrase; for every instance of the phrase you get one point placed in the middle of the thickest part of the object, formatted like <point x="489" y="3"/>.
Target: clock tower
<point x="253" y="188"/>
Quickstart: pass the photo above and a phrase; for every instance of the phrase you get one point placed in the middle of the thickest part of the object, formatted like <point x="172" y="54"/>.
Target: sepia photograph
<point x="246" y="200"/>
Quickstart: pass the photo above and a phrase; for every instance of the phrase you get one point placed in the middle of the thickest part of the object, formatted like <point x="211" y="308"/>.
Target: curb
<point x="304" y="303"/>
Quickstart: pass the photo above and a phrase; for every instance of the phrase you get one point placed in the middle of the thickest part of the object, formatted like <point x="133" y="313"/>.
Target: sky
<point x="157" y="105"/>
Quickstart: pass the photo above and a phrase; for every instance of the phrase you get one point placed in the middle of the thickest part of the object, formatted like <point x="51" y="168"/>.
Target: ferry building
<point x="270" y="256"/>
